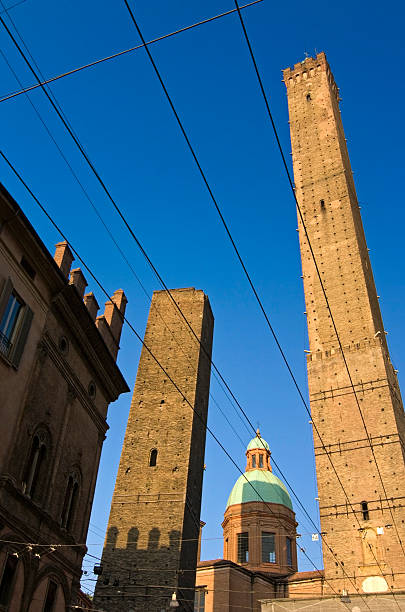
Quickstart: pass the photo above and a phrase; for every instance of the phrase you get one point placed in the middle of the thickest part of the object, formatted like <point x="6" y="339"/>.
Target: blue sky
<point x="119" y="112"/>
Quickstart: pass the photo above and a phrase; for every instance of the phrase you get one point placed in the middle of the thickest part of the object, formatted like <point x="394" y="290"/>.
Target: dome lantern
<point x="258" y="454"/>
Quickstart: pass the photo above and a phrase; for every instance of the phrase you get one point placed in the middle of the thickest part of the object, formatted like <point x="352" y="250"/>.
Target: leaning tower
<point x="361" y="425"/>
<point x="150" y="550"/>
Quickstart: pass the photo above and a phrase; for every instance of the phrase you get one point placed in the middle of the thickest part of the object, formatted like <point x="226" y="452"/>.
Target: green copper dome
<point x="266" y="487"/>
<point x="258" y="442"/>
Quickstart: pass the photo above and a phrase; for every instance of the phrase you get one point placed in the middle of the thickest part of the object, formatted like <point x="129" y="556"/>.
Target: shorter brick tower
<point x="259" y="522"/>
<point x="152" y="539"/>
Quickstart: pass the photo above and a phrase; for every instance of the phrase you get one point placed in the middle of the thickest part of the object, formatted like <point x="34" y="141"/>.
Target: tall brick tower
<point x="370" y="546"/>
<point x="151" y="544"/>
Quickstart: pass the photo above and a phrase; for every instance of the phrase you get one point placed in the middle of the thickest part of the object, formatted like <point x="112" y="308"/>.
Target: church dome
<point x="265" y="487"/>
<point x="258" y="483"/>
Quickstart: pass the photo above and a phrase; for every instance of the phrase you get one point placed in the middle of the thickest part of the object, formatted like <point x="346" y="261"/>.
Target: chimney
<point x="91" y="304"/>
<point x="77" y="280"/>
<point x="112" y="314"/>
<point x="63" y="257"/>
<point x="110" y="323"/>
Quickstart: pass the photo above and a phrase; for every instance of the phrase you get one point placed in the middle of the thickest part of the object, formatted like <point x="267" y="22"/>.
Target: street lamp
<point x="174" y="603"/>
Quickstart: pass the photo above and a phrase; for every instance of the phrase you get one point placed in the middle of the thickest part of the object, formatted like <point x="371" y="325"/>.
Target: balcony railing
<point x="5" y="345"/>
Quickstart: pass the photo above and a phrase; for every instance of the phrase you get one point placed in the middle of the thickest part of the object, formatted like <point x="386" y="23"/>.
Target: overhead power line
<point x="217" y="373"/>
<point x="192" y="151"/>
<point x="81" y="148"/>
<point x="70" y="130"/>
<point x="141" y="340"/>
<point x="119" y="54"/>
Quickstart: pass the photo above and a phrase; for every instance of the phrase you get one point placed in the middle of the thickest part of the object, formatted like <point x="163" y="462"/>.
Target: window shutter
<point x="4" y="295"/>
<point x="17" y="352"/>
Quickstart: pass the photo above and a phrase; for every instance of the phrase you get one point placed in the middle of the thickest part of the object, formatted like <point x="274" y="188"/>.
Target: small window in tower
<point x="253" y="461"/>
<point x="268" y="547"/>
<point x="153" y="458"/>
<point x="260" y="460"/>
<point x="364" y="510"/>
<point x="308" y="97"/>
<point x="243" y="547"/>
<point x="322" y="203"/>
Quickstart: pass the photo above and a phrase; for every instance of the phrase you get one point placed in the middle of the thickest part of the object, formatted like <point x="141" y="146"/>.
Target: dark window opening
<point x="364" y="510"/>
<point x="289" y="551"/>
<point x="153" y="458"/>
<point x="50" y="597"/>
<point x="199" y="600"/>
<point x="69" y="505"/>
<point x="7" y="579"/>
<point x="254" y="461"/>
<point x="260" y="461"/>
<point x="35" y="468"/>
<point x="322" y="203"/>
<point x="268" y="547"/>
<point x="308" y="97"/>
<point x="243" y="547"/>
<point x="28" y="268"/>
<point x="63" y="345"/>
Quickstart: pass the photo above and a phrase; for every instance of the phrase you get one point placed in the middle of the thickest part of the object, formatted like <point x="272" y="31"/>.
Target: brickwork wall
<point x="327" y="197"/>
<point x="154" y="523"/>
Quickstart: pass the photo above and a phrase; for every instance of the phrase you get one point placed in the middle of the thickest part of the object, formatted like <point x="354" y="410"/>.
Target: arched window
<point x="308" y="97"/>
<point x="253" y="461"/>
<point x="364" y="510"/>
<point x="260" y="460"/>
<point x="70" y="502"/>
<point x="50" y="601"/>
<point x="36" y="464"/>
<point x="153" y="457"/>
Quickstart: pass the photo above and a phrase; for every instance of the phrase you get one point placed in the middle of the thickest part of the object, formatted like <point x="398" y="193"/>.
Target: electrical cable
<point x="123" y="218"/>
<point x="70" y="130"/>
<point x="5" y="10"/>
<point x="68" y="126"/>
<point x="115" y="55"/>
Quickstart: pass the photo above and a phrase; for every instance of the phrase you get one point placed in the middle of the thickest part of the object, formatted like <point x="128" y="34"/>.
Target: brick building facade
<point x="151" y="545"/>
<point x="58" y="374"/>
<point x="362" y="427"/>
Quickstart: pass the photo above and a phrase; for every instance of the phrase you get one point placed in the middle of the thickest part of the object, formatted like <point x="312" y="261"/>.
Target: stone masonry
<point x="152" y="539"/>
<point x="364" y="526"/>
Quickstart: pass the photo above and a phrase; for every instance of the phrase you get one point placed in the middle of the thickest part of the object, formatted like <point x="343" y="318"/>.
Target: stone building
<point x="151" y="546"/>
<point x="360" y="417"/>
<point x="259" y="531"/>
<point x="58" y="374"/>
